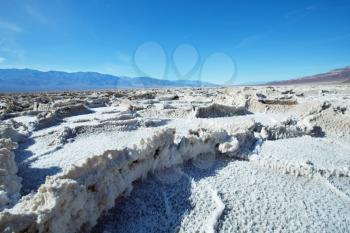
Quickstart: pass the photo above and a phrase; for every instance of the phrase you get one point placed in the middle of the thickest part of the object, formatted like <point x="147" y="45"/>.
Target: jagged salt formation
<point x="290" y="128"/>
<point x="73" y="201"/>
<point x="333" y="118"/>
<point x="63" y="136"/>
<point x="8" y="130"/>
<point x="57" y="113"/>
<point x="10" y="183"/>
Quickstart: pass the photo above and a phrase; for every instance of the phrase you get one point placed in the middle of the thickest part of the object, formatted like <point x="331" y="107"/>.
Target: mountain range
<point x="28" y="80"/>
<point x="337" y="76"/>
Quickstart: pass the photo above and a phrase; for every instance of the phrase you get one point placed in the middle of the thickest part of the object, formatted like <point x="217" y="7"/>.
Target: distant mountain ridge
<point x="341" y="75"/>
<point x="28" y="80"/>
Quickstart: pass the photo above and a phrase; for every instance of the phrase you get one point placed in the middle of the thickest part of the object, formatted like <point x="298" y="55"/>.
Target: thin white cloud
<point x="2" y="59"/>
<point x="302" y="12"/>
<point x="9" y="46"/>
<point x="9" y="26"/>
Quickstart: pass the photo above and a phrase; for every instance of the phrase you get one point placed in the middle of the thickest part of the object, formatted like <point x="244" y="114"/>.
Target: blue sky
<point x="243" y="41"/>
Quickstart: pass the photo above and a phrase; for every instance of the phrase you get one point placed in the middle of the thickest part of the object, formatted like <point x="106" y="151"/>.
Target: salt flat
<point x="244" y="159"/>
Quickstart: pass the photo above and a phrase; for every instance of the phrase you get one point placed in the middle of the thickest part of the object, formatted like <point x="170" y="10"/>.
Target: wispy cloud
<point x="9" y="32"/>
<point x="249" y="40"/>
<point x="9" y="46"/>
<point x="302" y="12"/>
<point x="2" y="59"/>
<point x="9" y="26"/>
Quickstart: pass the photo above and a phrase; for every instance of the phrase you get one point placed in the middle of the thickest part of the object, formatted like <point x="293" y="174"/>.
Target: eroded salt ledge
<point x="10" y="183"/>
<point x="75" y="198"/>
<point x="74" y="201"/>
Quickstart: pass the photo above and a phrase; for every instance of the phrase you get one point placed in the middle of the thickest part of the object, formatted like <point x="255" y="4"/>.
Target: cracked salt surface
<point x="251" y="199"/>
<point x="318" y="151"/>
<point x="39" y="159"/>
<point x="77" y="166"/>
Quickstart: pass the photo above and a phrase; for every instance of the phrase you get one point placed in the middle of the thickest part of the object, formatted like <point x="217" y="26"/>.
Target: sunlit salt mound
<point x="218" y="110"/>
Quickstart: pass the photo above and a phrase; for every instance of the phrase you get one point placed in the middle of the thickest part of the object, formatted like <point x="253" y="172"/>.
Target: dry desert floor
<point x="235" y="159"/>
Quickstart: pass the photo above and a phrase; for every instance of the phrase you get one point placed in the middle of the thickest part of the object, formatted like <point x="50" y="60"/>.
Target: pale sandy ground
<point x="285" y="177"/>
